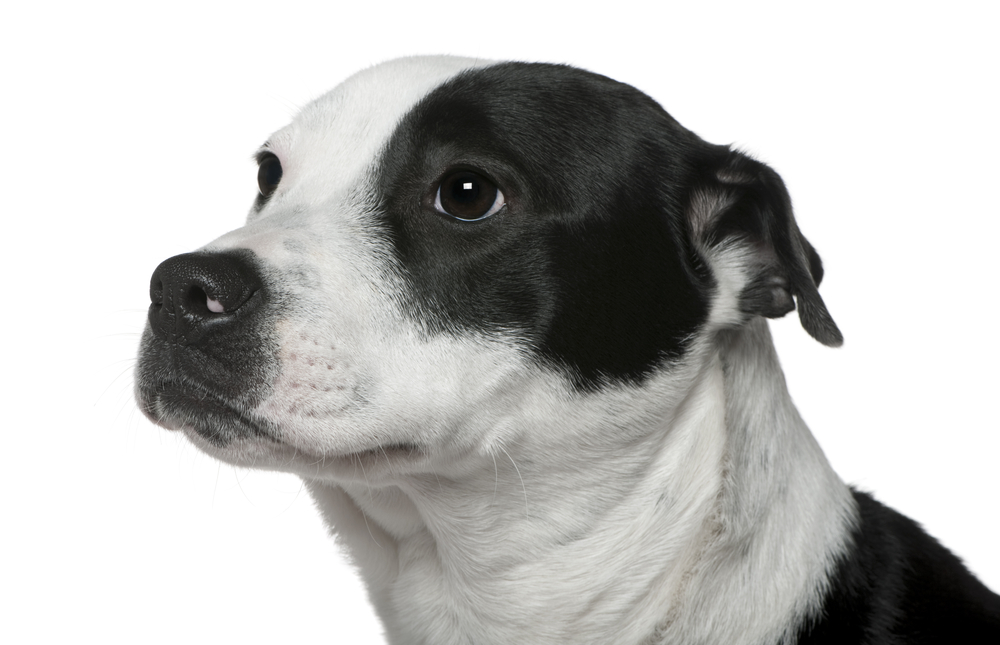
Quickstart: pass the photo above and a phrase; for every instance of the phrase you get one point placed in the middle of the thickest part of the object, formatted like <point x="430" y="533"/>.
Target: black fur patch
<point x="590" y="261"/>
<point x="898" y="585"/>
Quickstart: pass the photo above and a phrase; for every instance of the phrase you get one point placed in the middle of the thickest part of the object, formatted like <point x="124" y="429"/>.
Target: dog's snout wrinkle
<point x="190" y="292"/>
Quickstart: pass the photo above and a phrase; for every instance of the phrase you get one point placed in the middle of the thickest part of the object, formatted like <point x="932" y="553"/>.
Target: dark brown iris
<point x="467" y="195"/>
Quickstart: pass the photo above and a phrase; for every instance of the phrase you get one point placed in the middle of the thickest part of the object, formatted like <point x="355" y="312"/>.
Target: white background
<point x="127" y="135"/>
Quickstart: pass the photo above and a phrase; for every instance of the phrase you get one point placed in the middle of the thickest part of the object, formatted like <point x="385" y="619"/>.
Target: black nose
<point x="195" y="292"/>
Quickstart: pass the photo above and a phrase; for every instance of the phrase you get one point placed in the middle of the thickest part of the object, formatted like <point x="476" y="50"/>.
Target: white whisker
<point x="361" y="509"/>
<point x="523" y="489"/>
<point x="496" y="479"/>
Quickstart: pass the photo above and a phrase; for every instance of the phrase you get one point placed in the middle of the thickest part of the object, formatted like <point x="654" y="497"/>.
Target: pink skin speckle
<point x="214" y="306"/>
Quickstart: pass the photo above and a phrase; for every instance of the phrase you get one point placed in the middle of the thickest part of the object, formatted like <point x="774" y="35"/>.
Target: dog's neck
<point x="724" y="498"/>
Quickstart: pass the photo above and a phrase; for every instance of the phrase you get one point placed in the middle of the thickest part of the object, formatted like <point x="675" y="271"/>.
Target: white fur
<point x="694" y="509"/>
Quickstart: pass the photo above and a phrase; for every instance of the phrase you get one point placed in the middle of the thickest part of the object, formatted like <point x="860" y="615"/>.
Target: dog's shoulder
<point x="897" y="584"/>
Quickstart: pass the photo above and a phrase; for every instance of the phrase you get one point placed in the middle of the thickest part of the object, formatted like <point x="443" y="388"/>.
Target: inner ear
<point x="768" y="293"/>
<point x="741" y="208"/>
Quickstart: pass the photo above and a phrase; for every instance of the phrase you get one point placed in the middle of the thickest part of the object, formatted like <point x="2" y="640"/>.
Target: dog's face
<point x="445" y="253"/>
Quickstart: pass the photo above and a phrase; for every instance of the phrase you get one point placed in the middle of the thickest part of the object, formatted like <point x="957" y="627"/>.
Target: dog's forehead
<point x="344" y="129"/>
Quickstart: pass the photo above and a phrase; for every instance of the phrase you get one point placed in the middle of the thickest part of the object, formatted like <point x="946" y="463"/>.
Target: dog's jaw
<point x="599" y="542"/>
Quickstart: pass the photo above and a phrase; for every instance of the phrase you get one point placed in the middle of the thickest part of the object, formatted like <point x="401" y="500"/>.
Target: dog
<point x="508" y="322"/>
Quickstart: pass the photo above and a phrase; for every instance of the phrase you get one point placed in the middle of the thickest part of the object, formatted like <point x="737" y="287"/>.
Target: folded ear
<point x="741" y="218"/>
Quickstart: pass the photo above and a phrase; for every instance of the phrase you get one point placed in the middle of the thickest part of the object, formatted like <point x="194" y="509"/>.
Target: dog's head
<point x="443" y="252"/>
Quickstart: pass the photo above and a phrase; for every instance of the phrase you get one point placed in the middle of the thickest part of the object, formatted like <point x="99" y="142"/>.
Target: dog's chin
<point x="273" y="453"/>
<point x="240" y="438"/>
<point x="365" y="465"/>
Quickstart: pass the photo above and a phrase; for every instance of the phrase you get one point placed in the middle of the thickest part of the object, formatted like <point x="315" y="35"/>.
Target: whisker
<point x="120" y="334"/>
<point x="523" y="489"/>
<point x="240" y="485"/>
<point x="115" y="380"/>
<point x="363" y="510"/>
<point x="302" y="486"/>
<point x="496" y="479"/>
<point x="215" y="489"/>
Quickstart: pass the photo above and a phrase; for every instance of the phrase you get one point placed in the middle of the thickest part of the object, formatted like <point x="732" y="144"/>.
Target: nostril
<point x="199" y="300"/>
<point x="196" y="297"/>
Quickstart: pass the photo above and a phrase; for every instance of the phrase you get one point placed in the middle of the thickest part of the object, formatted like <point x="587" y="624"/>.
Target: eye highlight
<point x="268" y="174"/>
<point x="468" y="196"/>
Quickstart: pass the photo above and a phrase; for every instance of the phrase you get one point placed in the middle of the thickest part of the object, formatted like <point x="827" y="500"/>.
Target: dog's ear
<point x="741" y="218"/>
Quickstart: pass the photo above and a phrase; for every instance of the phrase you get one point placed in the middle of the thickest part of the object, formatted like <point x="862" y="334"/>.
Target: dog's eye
<point x="468" y="196"/>
<point x="268" y="174"/>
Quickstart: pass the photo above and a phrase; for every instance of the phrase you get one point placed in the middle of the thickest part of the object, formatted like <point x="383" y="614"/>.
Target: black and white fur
<point x="564" y="422"/>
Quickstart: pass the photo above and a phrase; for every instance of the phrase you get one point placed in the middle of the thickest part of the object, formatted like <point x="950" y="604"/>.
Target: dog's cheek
<point x="317" y="385"/>
<point x="448" y="390"/>
<point x="328" y="357"/>
<point x="395" y="386"/>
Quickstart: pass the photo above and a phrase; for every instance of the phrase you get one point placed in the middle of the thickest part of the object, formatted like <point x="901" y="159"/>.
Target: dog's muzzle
<point x="207" y="358"/>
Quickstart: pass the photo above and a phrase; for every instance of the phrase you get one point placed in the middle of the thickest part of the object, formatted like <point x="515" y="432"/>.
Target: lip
<point x="192" y="409"/>
<point x="175" y="406"/>
<point x="392" y="450"/>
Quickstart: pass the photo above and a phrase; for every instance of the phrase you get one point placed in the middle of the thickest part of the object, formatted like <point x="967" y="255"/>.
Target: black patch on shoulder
<point x="590" y="260"/>
<point x="899" y="585"/>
